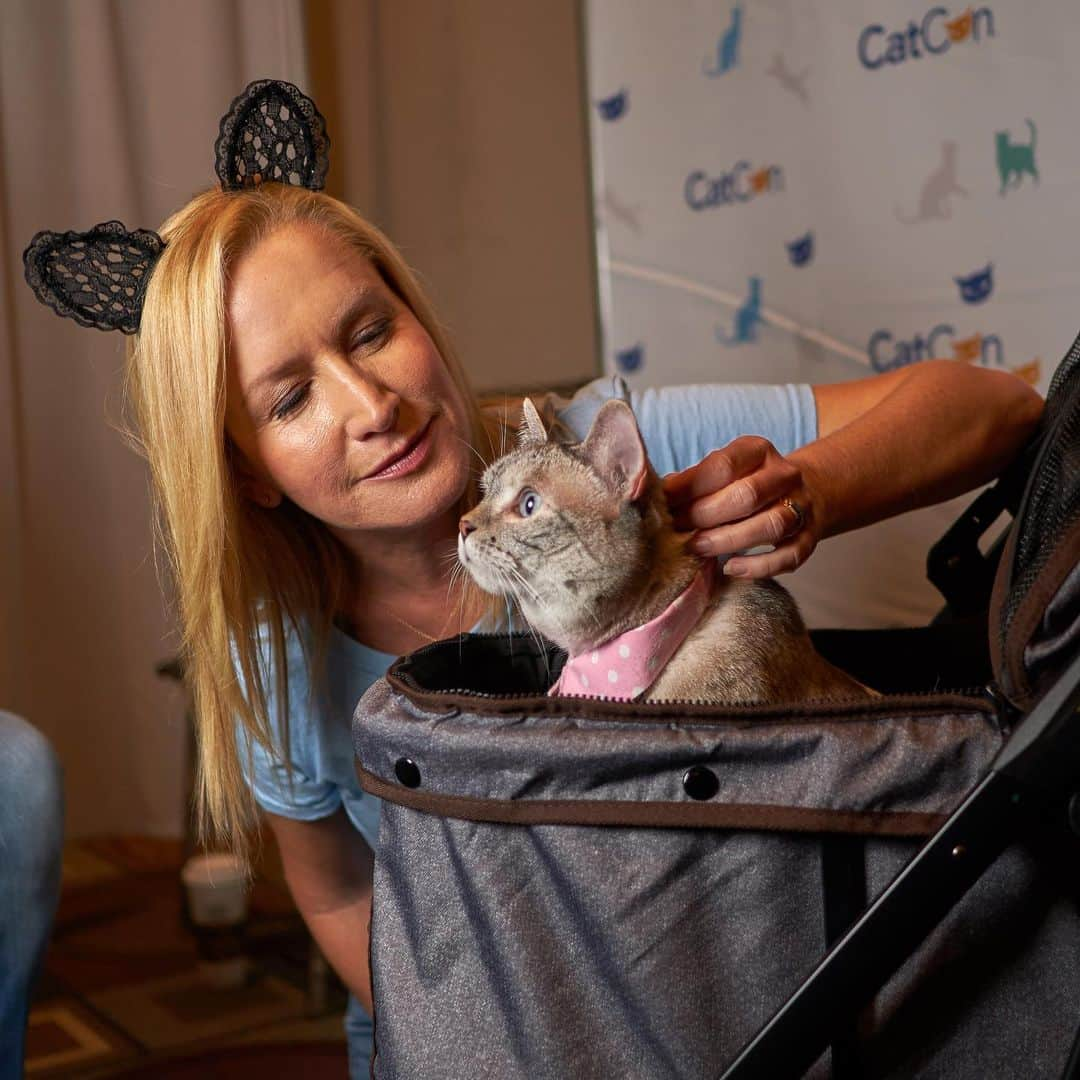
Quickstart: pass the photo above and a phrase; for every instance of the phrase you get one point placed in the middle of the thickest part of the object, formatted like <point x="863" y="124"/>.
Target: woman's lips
<point x="411" y="460"/>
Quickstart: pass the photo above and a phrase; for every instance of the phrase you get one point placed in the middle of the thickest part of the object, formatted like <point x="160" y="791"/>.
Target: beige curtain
<point x="467" y="143"/>
<point x="107" y="110"/>
<point x="457" y="125"/>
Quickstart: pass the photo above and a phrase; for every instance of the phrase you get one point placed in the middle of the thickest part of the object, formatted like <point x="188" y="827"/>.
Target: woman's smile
<point x="408" y="459"/>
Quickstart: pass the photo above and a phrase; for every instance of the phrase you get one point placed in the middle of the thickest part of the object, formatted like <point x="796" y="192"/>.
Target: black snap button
<point x="1074" y="812"/>
<point x="407" y="772"/>
<point x="700" y="783"/>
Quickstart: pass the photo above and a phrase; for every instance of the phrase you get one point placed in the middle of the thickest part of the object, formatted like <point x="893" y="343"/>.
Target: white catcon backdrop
<point x="802" y="190"/>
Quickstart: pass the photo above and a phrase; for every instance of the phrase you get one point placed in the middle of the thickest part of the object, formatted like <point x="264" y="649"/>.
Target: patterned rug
<point x="129" y="989"/>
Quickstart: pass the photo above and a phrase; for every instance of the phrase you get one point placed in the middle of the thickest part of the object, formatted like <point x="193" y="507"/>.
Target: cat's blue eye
<point x="528" y="503"/>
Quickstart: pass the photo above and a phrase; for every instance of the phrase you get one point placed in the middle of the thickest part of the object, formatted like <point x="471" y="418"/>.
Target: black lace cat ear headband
<point x="272" y="132"/>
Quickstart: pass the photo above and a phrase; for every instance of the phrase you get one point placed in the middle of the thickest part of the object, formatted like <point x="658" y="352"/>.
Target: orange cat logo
<point x="1029" y="372"/>
<point x="760" y="180"/>
<point x="969" y="350"/>
<point x="960" y="28"/>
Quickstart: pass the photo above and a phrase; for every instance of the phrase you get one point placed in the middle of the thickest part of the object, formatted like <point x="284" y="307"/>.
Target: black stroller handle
<point x="1037" y="769"/>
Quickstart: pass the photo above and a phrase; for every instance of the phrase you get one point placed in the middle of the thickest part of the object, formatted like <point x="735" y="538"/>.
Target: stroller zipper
<point x="985" y="694"/>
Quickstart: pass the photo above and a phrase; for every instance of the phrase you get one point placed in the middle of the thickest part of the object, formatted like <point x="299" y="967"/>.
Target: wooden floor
<point x="128" y="989"/>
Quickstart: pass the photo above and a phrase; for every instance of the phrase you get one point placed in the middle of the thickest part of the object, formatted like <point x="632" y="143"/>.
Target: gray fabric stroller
<point x="579" y="887"/>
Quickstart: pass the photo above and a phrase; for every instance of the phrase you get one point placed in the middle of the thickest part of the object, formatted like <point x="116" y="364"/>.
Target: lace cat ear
<point x="532" y="427"/>
<point x="272" y="131"/>
<point x="98" y="278"/>
<point x="615" y="450"/>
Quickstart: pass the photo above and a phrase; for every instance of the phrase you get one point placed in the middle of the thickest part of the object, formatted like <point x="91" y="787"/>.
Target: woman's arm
<point x="886" y="444"/>
<point x="913" y="437"/>
<point x="328" y="867"/>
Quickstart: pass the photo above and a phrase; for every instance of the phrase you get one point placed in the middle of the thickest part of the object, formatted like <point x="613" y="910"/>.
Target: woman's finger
<point x="717" y="469"/>
<point x="744" y="497"/>
<point x="783" y="560"/>
<point x="771" y="526"/>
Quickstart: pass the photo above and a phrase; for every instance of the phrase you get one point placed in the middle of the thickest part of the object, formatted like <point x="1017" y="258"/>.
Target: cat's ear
<point x="614" y="449"/>
<point x="532" y="428"/>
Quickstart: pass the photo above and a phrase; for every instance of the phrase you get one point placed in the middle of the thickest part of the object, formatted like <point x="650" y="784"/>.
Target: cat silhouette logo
<point x="801" y="251"/>
<point x="610" y="208"/>
<point x="727" y="48"/>
<point x="937" y="191"/>
<point x="630" y="360"/>
<point x="935" y="33"/>
<point x="1015" y="159"/>
<point x="614" y="107"/>
<point x="888" y="353"/>
<point x="747" y="318"/>
<point x="740" y="184"/>
<point x="975" y="288"/>
<point x="792" y="82"/>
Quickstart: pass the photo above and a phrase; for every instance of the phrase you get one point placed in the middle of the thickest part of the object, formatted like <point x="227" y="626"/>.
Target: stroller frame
<point x="1035" y="778"/>
<point x="1034" y="783"/>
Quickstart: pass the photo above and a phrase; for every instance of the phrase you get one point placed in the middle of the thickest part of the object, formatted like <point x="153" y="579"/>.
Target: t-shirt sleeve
<point x="291" y="791"/>
<point x="296" y="796"/>
<point x="682" y="424"/>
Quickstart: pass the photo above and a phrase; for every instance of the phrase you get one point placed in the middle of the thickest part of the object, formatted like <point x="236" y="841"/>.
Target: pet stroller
<point x="578" y="887"/>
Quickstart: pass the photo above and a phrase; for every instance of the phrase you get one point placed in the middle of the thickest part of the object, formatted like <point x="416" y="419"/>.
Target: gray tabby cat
<point x="579" y="534"/>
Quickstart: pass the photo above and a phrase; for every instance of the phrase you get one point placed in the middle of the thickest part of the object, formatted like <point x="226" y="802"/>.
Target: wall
<point x="477" y="168"/>
<point x="897" y="177"/>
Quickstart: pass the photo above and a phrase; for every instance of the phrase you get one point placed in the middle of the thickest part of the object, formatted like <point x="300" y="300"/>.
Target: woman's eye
<point x="290" y="402"/>
<point x="528" y="503"/>
<point x="372" y="334"/>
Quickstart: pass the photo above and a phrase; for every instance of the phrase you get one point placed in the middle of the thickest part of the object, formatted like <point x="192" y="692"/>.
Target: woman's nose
<point x="365" y="405"/>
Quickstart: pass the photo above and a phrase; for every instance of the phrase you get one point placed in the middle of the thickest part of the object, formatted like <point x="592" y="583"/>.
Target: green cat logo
<point x="1015" y="160"/>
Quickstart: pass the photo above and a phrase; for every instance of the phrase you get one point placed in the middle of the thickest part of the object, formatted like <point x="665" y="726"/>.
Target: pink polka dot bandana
<point x="627" y="665"/>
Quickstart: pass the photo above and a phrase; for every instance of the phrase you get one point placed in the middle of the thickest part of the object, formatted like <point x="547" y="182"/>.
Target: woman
<point x="313" y="442"/>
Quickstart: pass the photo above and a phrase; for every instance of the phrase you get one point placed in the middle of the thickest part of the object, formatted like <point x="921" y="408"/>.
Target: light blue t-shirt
<point x="680" y="425"/>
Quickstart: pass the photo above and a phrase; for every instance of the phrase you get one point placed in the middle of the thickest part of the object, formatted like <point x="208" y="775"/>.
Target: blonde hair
<point x="240" y="573"/>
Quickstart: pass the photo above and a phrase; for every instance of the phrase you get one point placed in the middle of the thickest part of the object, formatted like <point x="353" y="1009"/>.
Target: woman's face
<point x="337" y="397"/>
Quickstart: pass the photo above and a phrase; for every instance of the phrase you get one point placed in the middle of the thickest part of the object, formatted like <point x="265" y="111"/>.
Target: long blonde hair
<point x="241" y="574"/>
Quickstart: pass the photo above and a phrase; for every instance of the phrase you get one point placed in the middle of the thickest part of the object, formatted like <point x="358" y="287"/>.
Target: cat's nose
<point x="465" y="526"/>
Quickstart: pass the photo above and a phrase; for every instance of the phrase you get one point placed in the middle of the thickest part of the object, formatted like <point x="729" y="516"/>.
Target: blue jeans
<point x="31" y="838"/>
<point x="358" y="1031"/>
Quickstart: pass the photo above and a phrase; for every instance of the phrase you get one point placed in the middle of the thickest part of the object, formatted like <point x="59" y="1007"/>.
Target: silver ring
<point x="798" y="511"/>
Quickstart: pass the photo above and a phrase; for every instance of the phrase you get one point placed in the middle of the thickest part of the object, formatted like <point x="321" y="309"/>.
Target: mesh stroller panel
<point x="1037" y="590"/>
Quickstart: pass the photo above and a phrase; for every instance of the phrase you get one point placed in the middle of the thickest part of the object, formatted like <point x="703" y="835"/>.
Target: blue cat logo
<point x="975" y="288"/>
<point x="631" y="359"/>
<point x="932" y="35"/>
<point x="801" y="251"/>
<point x="747" y="318"/>
<point x="611" y="108"/>
<point x="727" y="48"/>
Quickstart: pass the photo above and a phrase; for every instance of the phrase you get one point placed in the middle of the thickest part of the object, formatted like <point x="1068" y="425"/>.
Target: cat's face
<point x="558" y="527"/>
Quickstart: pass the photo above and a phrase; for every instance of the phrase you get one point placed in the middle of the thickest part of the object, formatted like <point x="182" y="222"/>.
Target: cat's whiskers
<point x="532" y="630"/>
<point x="472" y="449"/>
<point x="544" y="607"/>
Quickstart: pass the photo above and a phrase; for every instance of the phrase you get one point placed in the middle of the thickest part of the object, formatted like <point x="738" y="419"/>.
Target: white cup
<point x="217" y="889"/>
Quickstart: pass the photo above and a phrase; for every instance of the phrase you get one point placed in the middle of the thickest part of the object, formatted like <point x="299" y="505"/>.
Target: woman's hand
<point x="745" y="496"/>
